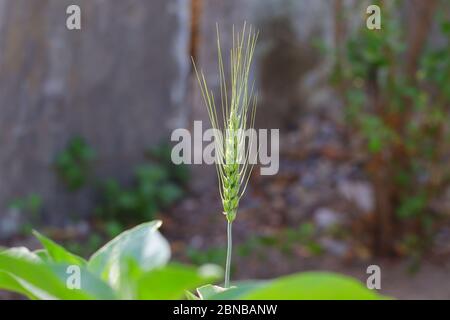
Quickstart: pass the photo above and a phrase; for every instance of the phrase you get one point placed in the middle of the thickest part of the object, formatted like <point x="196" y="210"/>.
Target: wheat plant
<point x="237" y="114"/>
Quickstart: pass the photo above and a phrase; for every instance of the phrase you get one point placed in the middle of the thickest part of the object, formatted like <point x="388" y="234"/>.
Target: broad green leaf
<point x="207" y="291"/>
<point x="9" y="283"/>
<point x="90" y="283"/>
<point x="37" y="278"/>
<point x="312" y="286"/>
<point x="190" y="296"/>
<point x="171" y="282"/>
<point x="238" y="290"/>
<point x="22" y="253"/>
<point x="23" y="272"/>
<point x="42" y="254"/>
<point x="57" y="253"/>
<point x="143" y="243"/>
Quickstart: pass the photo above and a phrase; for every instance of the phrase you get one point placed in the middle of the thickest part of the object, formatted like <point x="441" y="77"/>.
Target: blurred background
<point x="86" y="117"/>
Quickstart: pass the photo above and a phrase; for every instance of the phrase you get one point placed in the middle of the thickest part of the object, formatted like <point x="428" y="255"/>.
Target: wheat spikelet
<point x="238" y="114"/>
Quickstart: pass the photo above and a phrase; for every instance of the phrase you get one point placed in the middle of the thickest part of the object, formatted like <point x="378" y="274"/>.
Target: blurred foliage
<point x="85" y="247"/>
<point x="140" y="273"/>
<point x="403" y="120"/>
<point x="74" y="164"/>
<point x="163" y="154"/>
<point x="286" y="241"/>
<point x="152" y="190"/>
<point x="155" y="186"/>
<point x="215" y="255"/>
<point x="31" y="206"/>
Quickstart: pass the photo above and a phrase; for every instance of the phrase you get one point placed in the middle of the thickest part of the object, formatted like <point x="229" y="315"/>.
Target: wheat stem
<point x="229" y="252"/>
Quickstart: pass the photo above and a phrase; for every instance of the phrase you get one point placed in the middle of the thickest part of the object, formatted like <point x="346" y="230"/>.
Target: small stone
<point x="83" y="228"/>
<point x="335" y="247"/>
<point x="308" y="180"/>
<point x="197" y="241"/>
<point x="361" y="193"/>
<point x="279" y="203"/>
<point x="10" y="224"/>
<point x="325" y="218"/>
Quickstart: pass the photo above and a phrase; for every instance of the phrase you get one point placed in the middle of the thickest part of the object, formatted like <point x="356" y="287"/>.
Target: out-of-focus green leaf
<point x="89" y="283"/>
<point x="35" y="278"/>
<point x="22" y="253"/>
<point x="57" y="253"/>
<point x="207" y="291"/>
<point x="169" y="193"/>
<point x="313" y="285"/>
<point x="171" y="282"/>
<point x="42" y="254"/>
<point x="10" y="283"/>
<point x="445" y="27"/>
<point x="143" y="244"/>
<point x="191" y="296"/>
<point x="412" y="206"/>
<point x="152" y="173"/>
<point x="302" y="286"/>
<point x="238" y="290"/>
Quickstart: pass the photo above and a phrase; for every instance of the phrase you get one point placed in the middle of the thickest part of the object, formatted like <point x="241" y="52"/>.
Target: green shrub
<point x="74" y="164"/>
<point x="162" y="154"/>
<point x="156" y="185"/>
<point x="397" y="102"/>
<point x="151" y="191"/>
<point x="31" y="206"/>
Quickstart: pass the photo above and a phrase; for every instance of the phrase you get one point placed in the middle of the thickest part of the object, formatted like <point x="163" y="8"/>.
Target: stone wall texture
<point x="120" y="82"/>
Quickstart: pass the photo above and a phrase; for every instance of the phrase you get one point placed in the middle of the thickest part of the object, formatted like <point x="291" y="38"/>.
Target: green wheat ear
<point x="238" y="109"/>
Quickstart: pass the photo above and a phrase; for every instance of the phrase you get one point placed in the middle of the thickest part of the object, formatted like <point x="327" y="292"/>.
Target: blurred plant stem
<point x="229" y="253"/>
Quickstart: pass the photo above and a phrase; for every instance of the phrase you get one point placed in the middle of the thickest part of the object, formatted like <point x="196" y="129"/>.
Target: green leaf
<point x="28" y="276"/>
<point x="209" y="290"/>
<point x="43" y="255"/>
<point x="171" y="282"/>
<point x="57" y="253"/>
<point x="143" y="244"/>
<point x="10" y="283"/>
<point x="22" y="253"/>
<point x="191" y="296"/>
<point x="152" y="173"/>
<point x="445" y="27"/>
<point x="312" y="285"/>
<point x="169" y="193"/>
<point x="89" y="283"/>
<point x="412" y="206"/>
<point x="239" y="290"/>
